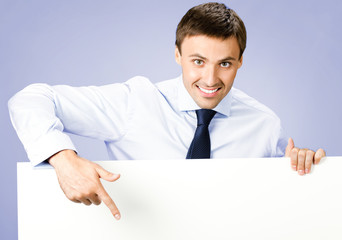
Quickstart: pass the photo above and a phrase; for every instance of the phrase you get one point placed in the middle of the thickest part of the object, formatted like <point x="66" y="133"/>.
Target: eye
<point x="225" y="64"/>
<point x="198" y="62"/>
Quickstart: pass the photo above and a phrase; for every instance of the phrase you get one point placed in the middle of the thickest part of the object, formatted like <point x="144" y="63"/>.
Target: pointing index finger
<point x="104" y="196"/>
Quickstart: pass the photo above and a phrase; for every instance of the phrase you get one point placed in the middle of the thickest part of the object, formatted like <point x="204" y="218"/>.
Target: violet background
<point x="292" y="63"/>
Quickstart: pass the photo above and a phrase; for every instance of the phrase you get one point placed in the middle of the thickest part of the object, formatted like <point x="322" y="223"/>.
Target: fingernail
<point x="117" y="216"/>
<point x="301" y="172"/>
<point x="307" y="170"/>
<point x="294" y="167"/>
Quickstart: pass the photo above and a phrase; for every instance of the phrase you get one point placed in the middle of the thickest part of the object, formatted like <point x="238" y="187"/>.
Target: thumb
<point x="289" y="147"/>
<point x="106" y="175"/>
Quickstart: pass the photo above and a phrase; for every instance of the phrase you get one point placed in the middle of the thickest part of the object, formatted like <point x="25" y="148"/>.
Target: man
<point x="141" y="120"/>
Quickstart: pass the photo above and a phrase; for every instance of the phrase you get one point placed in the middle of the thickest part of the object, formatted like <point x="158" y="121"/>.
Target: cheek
<point x="193" y="72"/>
<point x="193" y="75"/>
<point x="228" y="78"/>
<point x="190" y="73"/>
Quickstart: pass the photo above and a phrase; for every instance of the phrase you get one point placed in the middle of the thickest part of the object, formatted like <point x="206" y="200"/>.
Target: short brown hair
<point x="213" y="20"/>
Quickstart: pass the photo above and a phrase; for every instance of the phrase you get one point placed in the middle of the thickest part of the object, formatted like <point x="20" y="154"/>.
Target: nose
<point x="210" y="76"/>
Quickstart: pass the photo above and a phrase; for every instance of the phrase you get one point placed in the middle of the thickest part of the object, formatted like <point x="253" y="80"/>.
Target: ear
<point x="178" y="56"/>
<point x="240" y="61"/>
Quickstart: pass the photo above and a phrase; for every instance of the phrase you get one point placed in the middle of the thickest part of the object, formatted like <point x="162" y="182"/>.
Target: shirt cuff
<point x="47" y="145"/>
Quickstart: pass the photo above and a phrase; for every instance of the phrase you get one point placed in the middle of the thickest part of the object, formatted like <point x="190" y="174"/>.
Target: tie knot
<point x="204" y="116"/>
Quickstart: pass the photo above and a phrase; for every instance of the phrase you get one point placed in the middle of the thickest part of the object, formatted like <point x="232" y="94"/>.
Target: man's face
<point x="209" y="67"/>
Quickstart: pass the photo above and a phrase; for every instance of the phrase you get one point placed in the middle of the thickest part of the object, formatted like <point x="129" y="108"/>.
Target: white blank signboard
<point x="189" y="199"/>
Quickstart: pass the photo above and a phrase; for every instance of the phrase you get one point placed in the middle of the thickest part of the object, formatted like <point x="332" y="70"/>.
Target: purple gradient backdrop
<point x="292" y="63"/>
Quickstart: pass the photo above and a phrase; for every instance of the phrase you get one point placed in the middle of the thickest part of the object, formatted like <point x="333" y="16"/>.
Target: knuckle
<point x="310" y="152"/>
<point x="110" y="204"/>
<point x="77" y="196"/>
<point x="294" y="150"/>
<point x="300" y="167"/>
<point x="106" y="200"/>
<point x="88" y="192"/>
<point x="70" y="197"/>
<point x="308" y="163"/>
<point x="73" y="199"/>
<point x="321" y="152"/>
<point x="96" y="166"/>
<point x="301" y="164"/>
<point x="301" y="153"/>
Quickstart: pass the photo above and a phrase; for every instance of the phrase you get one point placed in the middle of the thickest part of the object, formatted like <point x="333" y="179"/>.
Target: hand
<point x="79" y="179"/>
<point x="302" y="159"/>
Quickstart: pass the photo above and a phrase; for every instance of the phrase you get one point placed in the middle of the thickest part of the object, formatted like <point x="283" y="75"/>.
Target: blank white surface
<point x="189" y="199"/>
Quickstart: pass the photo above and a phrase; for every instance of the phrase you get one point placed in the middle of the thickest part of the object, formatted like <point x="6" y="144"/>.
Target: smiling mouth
<point x="207" y="91"/>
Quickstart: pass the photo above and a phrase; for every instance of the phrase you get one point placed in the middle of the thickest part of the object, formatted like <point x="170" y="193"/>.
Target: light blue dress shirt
<point x="140" y="120"/>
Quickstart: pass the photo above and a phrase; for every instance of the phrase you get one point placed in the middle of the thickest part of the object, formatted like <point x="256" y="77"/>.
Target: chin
<point x="207" y="105"/>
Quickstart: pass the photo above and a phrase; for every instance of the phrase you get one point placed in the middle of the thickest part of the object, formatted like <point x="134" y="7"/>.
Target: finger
<point x="79" y="197"/>
<point x="74" y="200"/>
<point x="289" y="147"/>
<point x="72" y="194"/>
<point x="85" y="201"/>
<point x="301" y="161"/>
<point x="319" y="155"/>
<point x="294" y="158"/>
<point x="94" y="198"/>
<point x="85" y="198"/>
<point x="106" y="175"/>
<point x="309" y="160"/>
<point x="103" y="195"/>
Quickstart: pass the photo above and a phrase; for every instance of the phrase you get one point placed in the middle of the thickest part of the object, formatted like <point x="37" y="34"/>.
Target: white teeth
<point x="207" y="91"/>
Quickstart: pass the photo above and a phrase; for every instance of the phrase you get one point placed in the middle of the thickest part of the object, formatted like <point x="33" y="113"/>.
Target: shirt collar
<point x="186" y="103"/>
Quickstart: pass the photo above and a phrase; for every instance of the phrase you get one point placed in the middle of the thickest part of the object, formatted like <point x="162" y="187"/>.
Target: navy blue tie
<point x="200" y="145"/>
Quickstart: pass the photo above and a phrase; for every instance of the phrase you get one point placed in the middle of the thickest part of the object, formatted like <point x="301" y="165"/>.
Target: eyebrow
<point x="204" y="58"/>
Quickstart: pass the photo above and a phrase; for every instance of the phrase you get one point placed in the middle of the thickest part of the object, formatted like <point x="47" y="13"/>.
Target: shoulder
<point x="242" y="103"/>
<point x="169" y="87"/>
<point x="134" y="86"/>
<point x="142" y="87"/>
<point x="167" y="84"/>
<point x="139" y="81"/>
<point x="163" y="86"/>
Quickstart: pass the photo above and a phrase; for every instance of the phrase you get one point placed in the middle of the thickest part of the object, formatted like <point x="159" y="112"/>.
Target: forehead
<point x="210" y="47"/>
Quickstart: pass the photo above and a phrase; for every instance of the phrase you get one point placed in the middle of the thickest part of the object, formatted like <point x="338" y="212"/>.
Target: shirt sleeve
<point x="41" y="114"/>
<point x="280" y="142"/>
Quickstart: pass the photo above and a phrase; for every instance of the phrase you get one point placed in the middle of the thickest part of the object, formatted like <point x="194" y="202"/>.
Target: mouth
<point x="208" y="92"/>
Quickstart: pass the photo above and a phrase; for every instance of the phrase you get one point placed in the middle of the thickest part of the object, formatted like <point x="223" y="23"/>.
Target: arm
<point x="302" y="159"/>
<point x="41" y="115"/>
